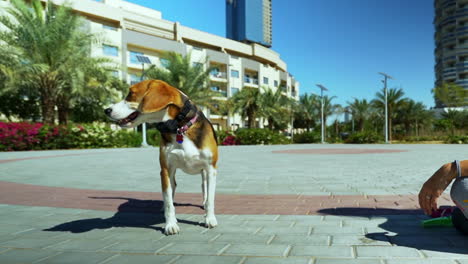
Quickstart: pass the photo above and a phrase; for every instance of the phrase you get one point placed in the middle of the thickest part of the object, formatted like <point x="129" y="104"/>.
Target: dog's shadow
<point x="132" y="213"/>
<point x="402" y="227"/>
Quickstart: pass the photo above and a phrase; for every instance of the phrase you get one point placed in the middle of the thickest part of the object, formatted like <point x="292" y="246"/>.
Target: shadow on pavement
<point x="403" y="228"/>
<point x="132" y="213"/>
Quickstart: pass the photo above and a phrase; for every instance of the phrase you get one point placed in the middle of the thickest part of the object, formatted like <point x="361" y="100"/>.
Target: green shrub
<point x="307" y="137"/>
<point x="364" y="137"/>
<point x="258" y="136"/>
<point x="457" y="139"/>
<point x="153" y="137"/>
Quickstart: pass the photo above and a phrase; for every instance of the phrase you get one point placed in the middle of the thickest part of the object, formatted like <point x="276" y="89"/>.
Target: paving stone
<point x="84" y="245"/>
<point x="208" y="260"/>
<point x="140" y="259"/>
<point x="135" y="246"/>
<point x="321" y="251"/>
<point x="337" y="230"/>
<point x="33" y="243"/>
<point x="346" y="261"/>
<point x="277" y="260"/>
<point x="188" y="237"/>
<point x="24" y="255"/>
<point x="298" y="230"/>
<point x="194" y="249"/>
<point x="316" y="240"/>
<point x="386" y="252"/>
<point x="77" y="257"/>
<point x="257" y="250"/>
<point x="242" y="238"/>
<point x="421" y="261"/>
<point x="359" y="240"/>
<point x="446" y="252"/>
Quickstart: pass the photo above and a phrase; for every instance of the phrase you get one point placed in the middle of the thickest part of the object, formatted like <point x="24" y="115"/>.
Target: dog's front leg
<point x="210" y="219"/>
<point x="171" y="227"/>
<point x="204" y="187"/>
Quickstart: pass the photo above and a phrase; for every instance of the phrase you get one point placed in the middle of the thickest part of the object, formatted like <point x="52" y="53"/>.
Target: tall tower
<point x="451" y="41"/>
<point x="249" y="21"/>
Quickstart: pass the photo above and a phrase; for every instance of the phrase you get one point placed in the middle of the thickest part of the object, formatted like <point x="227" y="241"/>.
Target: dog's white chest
<point x="187" y="157"/>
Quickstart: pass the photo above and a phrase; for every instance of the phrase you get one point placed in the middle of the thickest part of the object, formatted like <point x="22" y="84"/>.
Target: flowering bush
<point x="19" y="136"/>
<point x="36" y="136"/>
<point x="230" y="141"/>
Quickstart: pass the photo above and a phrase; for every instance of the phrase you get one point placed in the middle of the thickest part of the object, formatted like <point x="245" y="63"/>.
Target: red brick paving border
<point x="190" y="203"/>
<point x="338" y="151"/>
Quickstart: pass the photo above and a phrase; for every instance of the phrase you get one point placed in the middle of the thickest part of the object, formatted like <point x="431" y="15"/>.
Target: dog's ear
<point x="158" y="96"/>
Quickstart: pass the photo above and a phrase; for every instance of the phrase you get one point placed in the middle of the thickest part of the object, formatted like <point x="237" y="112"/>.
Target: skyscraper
<point x="249" y="21"/>
<point x="451" y="39"/>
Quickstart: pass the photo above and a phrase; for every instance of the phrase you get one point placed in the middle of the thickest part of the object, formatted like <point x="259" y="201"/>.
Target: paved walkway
<point x="275" y="204"/>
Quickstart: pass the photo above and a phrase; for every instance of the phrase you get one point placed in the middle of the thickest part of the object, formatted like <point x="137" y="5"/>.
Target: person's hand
<point x="434" y="187"/>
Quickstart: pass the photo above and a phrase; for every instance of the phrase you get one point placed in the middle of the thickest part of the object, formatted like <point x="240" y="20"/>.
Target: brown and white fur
<point x="154" y="101"/>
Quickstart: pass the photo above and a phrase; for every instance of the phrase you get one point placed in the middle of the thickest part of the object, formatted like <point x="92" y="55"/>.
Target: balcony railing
<point x="222" y="75"/>
<point x="251" y="80"/>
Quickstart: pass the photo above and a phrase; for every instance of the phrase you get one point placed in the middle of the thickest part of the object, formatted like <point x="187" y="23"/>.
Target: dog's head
<point x="147" y="101"/>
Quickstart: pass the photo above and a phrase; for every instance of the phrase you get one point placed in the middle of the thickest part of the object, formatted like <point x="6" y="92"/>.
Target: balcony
<point x="218" y="75"/>
<point x="251" y="82"/>
<point x="221" y="92"/>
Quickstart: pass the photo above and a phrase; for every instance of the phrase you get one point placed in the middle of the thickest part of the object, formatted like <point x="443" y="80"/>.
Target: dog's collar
<point x="179" y="125"/>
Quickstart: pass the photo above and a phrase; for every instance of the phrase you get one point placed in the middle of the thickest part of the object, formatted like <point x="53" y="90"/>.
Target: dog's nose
<point x="108" y="111"/>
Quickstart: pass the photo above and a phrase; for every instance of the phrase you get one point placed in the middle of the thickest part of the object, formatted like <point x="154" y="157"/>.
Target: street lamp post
<point x="322" y="88"/>
<point x="143" y="60"/>
<point x="386" y="76"/>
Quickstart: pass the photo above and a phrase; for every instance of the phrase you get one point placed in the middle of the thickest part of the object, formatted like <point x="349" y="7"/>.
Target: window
<point x="234" y="74"/>
<point x="115" y="74"/>
<point x="109" y="27"/>
<point x="110" y="50"/>
<point x="276" y="83"/>
<point x="234" y="91"/>
<point x="235" y="57"/>
<point x="164" y="62"/>
<point x="133" y="56"/>
<point x="197" y="48"/>
<point x="265" y="80"/>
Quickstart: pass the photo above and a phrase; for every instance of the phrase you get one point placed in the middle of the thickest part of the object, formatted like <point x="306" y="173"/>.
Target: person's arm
<point x="437" y="183"/>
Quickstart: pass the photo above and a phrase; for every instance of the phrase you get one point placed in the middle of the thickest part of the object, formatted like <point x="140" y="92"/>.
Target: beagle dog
<point x="188" y="140"/>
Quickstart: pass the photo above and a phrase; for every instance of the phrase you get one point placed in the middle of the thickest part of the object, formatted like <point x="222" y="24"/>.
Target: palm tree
<point x="451" y="95"/>
<point x="309" y="109"/>
<point x="247" y="102"/>
<point x="180" y="72"/>
<point x="411" y="114"/>
<point x="46" y="51"/>
<point x="329" y="108"/>
<point x="361" y="110"/>
<point x="394" y="101"/>
<point x="275" y="108"/>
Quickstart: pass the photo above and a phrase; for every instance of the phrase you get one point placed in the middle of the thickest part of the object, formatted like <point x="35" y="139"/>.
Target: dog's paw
<point x="171" y="229"/>
<point x="210" y="221"/>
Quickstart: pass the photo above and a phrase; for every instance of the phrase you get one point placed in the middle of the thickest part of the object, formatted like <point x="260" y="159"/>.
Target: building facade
<point x="451" y="42"/>
<point x="249" y="21"/>
<point x="129" y="30"/>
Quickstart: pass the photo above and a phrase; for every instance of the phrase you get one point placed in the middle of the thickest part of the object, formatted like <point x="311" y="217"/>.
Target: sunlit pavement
<point x="275" y="204"/>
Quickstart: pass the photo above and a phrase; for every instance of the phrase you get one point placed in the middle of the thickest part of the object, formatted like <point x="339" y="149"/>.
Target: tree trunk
<point x="63" y="108"/>
<point x="270" y="123"/>
<point x="48" y="110"/>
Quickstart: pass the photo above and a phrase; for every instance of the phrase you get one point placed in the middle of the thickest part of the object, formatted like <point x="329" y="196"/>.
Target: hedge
<point x="37" y="136"/>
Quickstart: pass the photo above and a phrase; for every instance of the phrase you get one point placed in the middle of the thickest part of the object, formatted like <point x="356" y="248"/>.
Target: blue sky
<point x="341" y="44"/>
